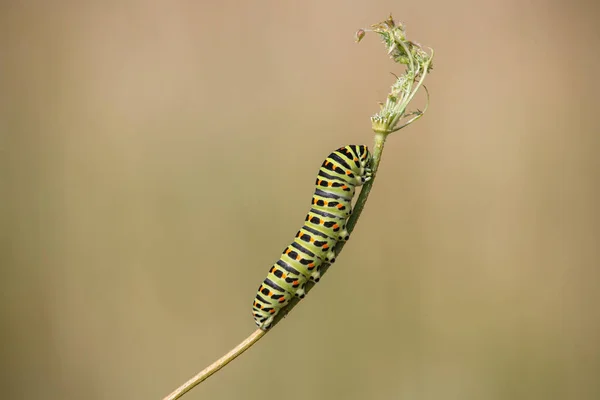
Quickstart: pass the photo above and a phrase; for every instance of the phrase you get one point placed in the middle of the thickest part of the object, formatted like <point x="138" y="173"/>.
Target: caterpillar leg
<point x="330" y="257"/>
<point x="316" y="275"/>
<point x="300" y="293"/>
<point x="267" y="323"/>
<point x="368" y="174"/>
<point x="344" y="235"/>
<point x="263" y="316"/>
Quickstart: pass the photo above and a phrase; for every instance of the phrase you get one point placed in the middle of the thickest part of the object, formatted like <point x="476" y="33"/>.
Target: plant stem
<point x="256" y="335"/>
<point x="217" y="365"/>
<point x="383" y="123"/>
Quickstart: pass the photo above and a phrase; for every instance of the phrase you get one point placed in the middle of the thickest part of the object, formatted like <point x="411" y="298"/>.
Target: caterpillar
<point x="324" y="226"/>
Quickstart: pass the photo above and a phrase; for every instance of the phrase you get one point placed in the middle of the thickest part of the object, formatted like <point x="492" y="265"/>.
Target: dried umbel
<point x="393" y="114"/>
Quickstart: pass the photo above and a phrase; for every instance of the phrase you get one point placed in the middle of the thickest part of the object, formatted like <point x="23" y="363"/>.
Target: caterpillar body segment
<point x="324" y="226"/>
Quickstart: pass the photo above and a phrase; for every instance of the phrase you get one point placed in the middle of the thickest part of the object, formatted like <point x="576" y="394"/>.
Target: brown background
<point x="158" y="156"/>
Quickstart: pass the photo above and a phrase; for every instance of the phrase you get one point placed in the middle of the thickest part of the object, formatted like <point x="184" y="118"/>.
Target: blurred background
<point x="156" y="157"/>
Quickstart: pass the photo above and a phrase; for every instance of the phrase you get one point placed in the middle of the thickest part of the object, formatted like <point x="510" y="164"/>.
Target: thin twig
<point x="217" y="365"/>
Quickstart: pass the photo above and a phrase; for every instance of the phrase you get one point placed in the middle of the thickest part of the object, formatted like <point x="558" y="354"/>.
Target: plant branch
<point x="217" y="365"/>
<point x="259" y="333"/>
<point x="418" y="64"/>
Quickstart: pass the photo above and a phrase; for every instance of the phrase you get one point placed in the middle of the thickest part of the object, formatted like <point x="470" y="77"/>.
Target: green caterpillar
<point x="324" y="226"/>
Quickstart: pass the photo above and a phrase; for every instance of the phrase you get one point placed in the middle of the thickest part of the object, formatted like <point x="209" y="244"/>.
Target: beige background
<point x="158" y="156"/>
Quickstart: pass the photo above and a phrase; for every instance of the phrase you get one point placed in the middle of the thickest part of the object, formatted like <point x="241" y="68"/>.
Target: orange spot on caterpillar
<point x="348" y="172"/>
<point x="335" y="226"/>
<point x="282" y="300"/>
<point x="325" y="246"/>
<point x="340" y="206"/>
<point x="344" y="187"/>
<point x="272" y="311"/>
